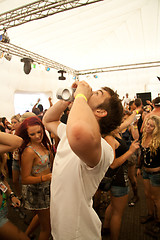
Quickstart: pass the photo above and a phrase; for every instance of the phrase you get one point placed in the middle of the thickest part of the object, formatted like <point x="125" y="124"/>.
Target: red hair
<point x="23" y="133"/>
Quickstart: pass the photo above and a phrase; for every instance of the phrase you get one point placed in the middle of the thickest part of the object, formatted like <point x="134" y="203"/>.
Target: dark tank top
<point x="122" y="171"/>
<point x="150" y="160"/>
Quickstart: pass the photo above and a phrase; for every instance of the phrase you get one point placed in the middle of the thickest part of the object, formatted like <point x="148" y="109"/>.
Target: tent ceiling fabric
<point x="107" y="33"/>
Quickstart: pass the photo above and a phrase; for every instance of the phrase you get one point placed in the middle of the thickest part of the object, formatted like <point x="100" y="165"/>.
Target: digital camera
<point x="66" y="94"/>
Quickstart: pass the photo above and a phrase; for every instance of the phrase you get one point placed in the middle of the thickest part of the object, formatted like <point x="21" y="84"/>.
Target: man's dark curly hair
<point x="114" y="109"/>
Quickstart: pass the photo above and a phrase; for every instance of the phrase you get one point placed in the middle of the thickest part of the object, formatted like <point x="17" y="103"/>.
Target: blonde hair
<point x="155" y="142"/>
<point x="17" y="117"/>
<point x="27" y="115"/>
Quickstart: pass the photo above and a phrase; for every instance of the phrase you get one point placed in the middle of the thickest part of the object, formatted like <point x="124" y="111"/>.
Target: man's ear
<point x="100" y="113"/>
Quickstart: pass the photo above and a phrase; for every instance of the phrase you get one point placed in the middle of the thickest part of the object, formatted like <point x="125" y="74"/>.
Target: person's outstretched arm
<point x="50" y="101"/>
<point x="9" y="142"/>
<point x="130" y="119"/>
<point x="36" y="104"/>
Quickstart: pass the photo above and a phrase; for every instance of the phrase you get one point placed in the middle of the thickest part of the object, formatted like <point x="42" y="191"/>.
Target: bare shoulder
<point x="109" y="138"/>
<point x="28" y="151"/>
<point x="111" y="141"/>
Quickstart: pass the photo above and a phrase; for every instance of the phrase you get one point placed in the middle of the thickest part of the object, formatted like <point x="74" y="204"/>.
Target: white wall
<point x="13" y="78"/>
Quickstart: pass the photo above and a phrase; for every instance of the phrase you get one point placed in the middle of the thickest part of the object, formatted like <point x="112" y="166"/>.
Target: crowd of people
<point x="63" y="158"/>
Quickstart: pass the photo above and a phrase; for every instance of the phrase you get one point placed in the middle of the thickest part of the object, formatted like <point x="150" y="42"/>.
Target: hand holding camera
<point x="68" y="94"/>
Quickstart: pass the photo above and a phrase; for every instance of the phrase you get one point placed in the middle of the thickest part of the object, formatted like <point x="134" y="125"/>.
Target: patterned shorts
<point x="36" y="196"/>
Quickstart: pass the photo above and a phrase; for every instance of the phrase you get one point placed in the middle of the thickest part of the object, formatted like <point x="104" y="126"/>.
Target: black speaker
<point x="144" y="96"/>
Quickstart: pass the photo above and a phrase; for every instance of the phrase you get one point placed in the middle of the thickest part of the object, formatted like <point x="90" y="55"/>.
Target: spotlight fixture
<point x="4" y="37"/>
<point x="95" y="76"/>
<point x="27" y="64"/>
<point x="47" y="69"/>
<point x="8" y="56"/>
<point x="76" y="78"/>
<point x="62" y="77"/>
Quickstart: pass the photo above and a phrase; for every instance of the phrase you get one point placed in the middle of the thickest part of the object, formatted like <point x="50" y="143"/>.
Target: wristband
<point x="81" y="95"/>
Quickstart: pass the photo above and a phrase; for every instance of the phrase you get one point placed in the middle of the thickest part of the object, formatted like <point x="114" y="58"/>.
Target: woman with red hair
<point x="35" y="156"/>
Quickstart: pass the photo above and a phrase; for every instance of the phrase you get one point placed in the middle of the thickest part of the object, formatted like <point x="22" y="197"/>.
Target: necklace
<point x="147" y="157"/>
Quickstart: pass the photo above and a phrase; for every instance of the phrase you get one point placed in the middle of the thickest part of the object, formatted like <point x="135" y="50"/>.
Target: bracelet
<point x="12" y="195"/>
<point x="137" y="112"/>
<point x="135" y="127"/>
<point x="81" y="95"/>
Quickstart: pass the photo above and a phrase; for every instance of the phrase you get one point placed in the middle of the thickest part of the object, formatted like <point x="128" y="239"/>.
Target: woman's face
<point x="150" y="126"/>
<point x="15" y="124"/>
<point x="6" y="122"/>
<point x="35" y="133"/>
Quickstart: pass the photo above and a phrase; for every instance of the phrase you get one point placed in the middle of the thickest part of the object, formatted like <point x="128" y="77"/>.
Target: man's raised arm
<point x="83" y="131"/>
<point x="52" y="117"/>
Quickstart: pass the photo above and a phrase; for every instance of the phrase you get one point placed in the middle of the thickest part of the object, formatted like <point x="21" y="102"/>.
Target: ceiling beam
<point x="38" y="10"/>
<point x="119" y="68"/>
<point x="23" y="53"/>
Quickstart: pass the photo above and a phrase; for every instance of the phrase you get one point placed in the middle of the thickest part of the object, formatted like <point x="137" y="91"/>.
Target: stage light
<point x="4" y="37"/>
<point x="27" y="64"/>
<point x="62" y="77"/>
<point x="95" y="76"/>
<point x="47" y="69"/>
<point x="8" y="56"/>
<point x="33" y="65"/>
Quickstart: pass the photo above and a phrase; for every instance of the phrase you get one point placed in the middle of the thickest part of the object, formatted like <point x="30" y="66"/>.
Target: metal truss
<point x="38" y="10"/>
<point x="119" y="68"/>
<point x="23" y="53"/>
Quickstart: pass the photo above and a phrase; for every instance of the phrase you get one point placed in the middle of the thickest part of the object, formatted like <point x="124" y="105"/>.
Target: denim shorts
<point x="3" y="216"/>
<point x="154" y="177"/>
<point x="119" y="191"/>
<point x="15" y="165"/>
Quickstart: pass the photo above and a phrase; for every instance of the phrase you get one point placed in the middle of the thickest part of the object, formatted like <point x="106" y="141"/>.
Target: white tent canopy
<point x="103" y="34"/>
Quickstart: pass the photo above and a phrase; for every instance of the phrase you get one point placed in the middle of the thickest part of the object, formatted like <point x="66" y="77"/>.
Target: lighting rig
<point x="41" y="9"/>
<point x="27" y="64"/>
<point x="61" y="77"/>
<point x="29" y="57"/>
<point x="38" y="10"/>
<point x="30" y="12"/>
<point x="4" y="37"/>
